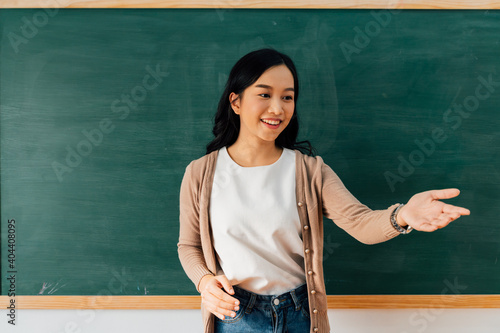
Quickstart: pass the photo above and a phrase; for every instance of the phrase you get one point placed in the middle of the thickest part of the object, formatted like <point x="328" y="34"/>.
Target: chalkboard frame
<point x="313" y="4"/>
<point x="193" y="302"/>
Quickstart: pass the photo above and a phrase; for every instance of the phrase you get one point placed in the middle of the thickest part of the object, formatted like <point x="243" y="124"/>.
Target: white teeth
<point x="271" y="122"/>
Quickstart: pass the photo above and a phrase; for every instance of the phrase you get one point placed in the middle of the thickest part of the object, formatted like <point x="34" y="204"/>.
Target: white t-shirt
<point x="255" y="224"/>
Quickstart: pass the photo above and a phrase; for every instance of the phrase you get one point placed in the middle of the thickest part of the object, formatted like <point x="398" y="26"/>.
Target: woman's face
<point x="265" y="107"/>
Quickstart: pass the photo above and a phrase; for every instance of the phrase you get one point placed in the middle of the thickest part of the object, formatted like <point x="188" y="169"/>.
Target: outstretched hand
<point x="424" y="211"/>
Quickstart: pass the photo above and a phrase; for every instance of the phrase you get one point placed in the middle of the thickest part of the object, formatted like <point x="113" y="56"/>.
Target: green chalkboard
<point x="101" y="110"/>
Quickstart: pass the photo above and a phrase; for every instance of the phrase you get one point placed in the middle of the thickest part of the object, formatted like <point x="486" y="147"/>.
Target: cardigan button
<point x="313" y="292"/>
<point x="315" y="311"/>
<point x="310" y="272"/>
<point x="307" y="250"/>
<point x="315" y="329"/>
<point x="306" y="227"/>
<point x="300" y="204"/>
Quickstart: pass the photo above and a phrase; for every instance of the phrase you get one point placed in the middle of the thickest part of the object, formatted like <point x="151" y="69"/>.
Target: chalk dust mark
<point x="52" y="288"/>
<point x="44" y="286"/>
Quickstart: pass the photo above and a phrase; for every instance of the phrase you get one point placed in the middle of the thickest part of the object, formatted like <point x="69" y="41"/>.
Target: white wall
<point x="189" y="321"/>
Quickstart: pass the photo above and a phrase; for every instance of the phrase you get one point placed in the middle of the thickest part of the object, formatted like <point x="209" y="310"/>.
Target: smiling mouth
<point x="271" y="122"/>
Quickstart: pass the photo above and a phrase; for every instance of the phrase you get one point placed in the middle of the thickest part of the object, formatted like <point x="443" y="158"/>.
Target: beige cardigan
<point x="319" y="192"/>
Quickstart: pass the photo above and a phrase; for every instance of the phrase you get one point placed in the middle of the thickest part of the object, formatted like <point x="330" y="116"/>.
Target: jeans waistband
<point x="291" y="298"/>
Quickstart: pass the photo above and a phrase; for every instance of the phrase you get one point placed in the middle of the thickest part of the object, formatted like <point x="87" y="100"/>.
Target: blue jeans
<point x="285" y="313"/>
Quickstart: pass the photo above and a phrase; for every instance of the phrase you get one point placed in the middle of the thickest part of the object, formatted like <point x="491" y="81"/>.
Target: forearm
<point x="193" y="263"/>
<point x="366" y="225"/>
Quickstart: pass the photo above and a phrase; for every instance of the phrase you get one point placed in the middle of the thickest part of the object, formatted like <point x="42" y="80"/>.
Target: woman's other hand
<point x="424" y="211"/>
<point x="215" y="299"/>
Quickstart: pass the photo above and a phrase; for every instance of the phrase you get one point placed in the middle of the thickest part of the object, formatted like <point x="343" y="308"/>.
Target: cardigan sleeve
<point x="366" y="225"/>
<point x="190" y="247"/>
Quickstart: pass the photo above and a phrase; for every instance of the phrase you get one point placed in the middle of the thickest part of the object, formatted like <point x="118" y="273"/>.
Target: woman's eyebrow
<point x="269" y="87"/>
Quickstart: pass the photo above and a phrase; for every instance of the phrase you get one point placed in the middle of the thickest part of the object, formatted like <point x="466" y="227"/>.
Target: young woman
<point x="251" y="233"/>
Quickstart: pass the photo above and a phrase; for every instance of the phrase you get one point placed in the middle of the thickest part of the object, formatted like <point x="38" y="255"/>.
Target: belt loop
<point x="251" y="303"/>
<point x="295" y="300"/>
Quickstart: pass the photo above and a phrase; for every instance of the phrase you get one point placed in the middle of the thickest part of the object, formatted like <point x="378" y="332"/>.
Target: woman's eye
<point x="264" y="95"/>
<point x="288" y="98"/>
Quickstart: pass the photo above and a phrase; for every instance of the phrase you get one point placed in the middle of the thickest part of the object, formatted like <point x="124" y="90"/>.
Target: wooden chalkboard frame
<point x="302" y="4"/>
<point x="193" y="302"/>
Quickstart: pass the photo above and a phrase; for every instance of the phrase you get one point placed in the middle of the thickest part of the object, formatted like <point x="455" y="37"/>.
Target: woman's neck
<point x="251" y="155"/>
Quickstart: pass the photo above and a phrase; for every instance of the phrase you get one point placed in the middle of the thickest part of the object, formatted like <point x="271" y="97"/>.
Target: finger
<point x="445" y="194"/>
<point x="221" y="296"/>
<point x="426" y="227"/>
<point x="218" y="306"/>
<point x="231" y="301"/>
<point x="444" y="220"/>
<point x="221" y="299"/>
<point x="455" y="209"/>
<point x="220" y="312"/>
<point x="226" y="284"/>
<point x="229" y="289"/>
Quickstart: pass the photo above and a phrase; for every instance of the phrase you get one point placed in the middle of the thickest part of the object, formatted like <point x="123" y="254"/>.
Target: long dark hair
<point x="243" y="74"/>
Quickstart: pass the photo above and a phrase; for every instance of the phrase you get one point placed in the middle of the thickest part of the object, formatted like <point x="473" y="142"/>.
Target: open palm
<point x="424" y="211"/>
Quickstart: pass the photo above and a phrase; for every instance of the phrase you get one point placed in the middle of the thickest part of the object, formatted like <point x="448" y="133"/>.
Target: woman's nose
<point x="276" y="106"/>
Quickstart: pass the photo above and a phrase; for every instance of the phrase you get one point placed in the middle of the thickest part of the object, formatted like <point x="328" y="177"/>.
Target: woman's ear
<point x="234" y="100"/>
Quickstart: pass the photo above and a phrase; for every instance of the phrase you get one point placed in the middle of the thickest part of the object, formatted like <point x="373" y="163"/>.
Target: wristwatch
<point x="395" y="224"/>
